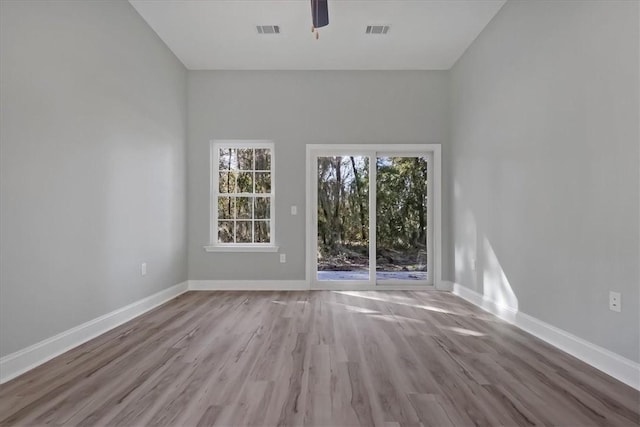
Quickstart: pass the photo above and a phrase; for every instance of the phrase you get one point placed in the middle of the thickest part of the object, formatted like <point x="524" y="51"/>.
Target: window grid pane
<point x="244" y="177"/>
<point x="243" y="232"/>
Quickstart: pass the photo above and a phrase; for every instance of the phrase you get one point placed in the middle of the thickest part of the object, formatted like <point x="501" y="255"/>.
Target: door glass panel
<point x="401" y="218"/>
<point x="343" y="218"/>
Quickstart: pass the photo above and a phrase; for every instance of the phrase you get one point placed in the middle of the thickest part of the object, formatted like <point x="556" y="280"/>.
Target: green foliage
<point x="343" y="204"/>
<point x="402" y="202"/>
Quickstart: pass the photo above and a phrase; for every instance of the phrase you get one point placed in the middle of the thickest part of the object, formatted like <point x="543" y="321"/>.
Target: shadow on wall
<point x="477" y="266"/>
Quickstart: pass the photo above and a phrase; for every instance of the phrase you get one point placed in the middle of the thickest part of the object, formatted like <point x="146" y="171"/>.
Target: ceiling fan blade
<point x="320" y="13"/>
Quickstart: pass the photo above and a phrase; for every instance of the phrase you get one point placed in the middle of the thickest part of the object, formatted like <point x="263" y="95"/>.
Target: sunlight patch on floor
<point x="390" y="300"/>
<point x="464" y="331"/>
<point x="355" y="309"/>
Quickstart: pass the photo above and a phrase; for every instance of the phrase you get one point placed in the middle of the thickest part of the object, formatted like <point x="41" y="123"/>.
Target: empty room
<point x="320" y="213"/>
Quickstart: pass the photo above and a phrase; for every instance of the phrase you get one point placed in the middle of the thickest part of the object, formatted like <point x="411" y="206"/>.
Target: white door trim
<point x="434" y="150"/>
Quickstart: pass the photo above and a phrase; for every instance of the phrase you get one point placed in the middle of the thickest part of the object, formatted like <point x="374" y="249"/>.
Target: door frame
<point x="314" y="151"/>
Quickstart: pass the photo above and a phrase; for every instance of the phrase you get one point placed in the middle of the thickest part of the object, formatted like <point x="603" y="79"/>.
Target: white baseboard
<point x="28" y="358"/>
<point x="345" y="286"/>
<point x="248" y="285"/>
<point x="621" y="368"/>
<point x="294" y="285"/>
<point x="504" y="312"/>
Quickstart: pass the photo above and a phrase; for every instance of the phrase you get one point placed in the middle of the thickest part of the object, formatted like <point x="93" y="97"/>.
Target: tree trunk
<point x="338" y="194"/>
<point x="322" y="201"/>
<point x="421" y="205"/>
<point x="229" y="187"/>
<point x="363" y="225"/>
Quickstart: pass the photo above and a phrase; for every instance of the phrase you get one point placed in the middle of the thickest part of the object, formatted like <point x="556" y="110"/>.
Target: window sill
<point x="270" y="248"/>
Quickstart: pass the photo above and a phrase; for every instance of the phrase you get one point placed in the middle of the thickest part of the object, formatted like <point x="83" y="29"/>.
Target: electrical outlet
<point x="143" y="269"/>
<point x="294" y="210"/>
<point x="615" y="301"/>
<point x="283" y="258"/>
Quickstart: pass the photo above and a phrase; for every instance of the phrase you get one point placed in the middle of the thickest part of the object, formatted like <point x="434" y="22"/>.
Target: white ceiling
<point x="221" y="34"/>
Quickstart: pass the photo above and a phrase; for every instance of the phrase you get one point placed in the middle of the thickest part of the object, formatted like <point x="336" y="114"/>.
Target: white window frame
<point x="214" y="245"/>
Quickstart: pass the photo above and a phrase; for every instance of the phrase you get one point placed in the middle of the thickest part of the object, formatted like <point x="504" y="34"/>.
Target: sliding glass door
<point x="371" y="217"/>
<point x="402" y="217"/>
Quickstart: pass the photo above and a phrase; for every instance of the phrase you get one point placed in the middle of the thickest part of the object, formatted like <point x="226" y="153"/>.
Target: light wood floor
<point x="317" y="358"/>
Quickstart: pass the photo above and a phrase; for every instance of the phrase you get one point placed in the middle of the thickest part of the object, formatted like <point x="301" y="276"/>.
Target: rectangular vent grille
<point x="268" y="29"/>
<point x="377" y="29"/>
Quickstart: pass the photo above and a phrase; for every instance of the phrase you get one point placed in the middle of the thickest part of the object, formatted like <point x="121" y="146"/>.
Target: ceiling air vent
<point x="377" y="29"/>
<point x="268" y="29"/>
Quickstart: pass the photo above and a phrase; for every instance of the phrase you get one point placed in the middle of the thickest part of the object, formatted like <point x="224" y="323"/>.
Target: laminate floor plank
<point x="317" y="358"/>
<point x="55" y="376"/>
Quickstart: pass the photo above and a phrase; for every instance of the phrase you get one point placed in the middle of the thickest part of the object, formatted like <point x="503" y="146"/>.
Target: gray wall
<point x="295" y="109"/>
<point x="92" y="181"/>
<point x="545" y="165"/>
